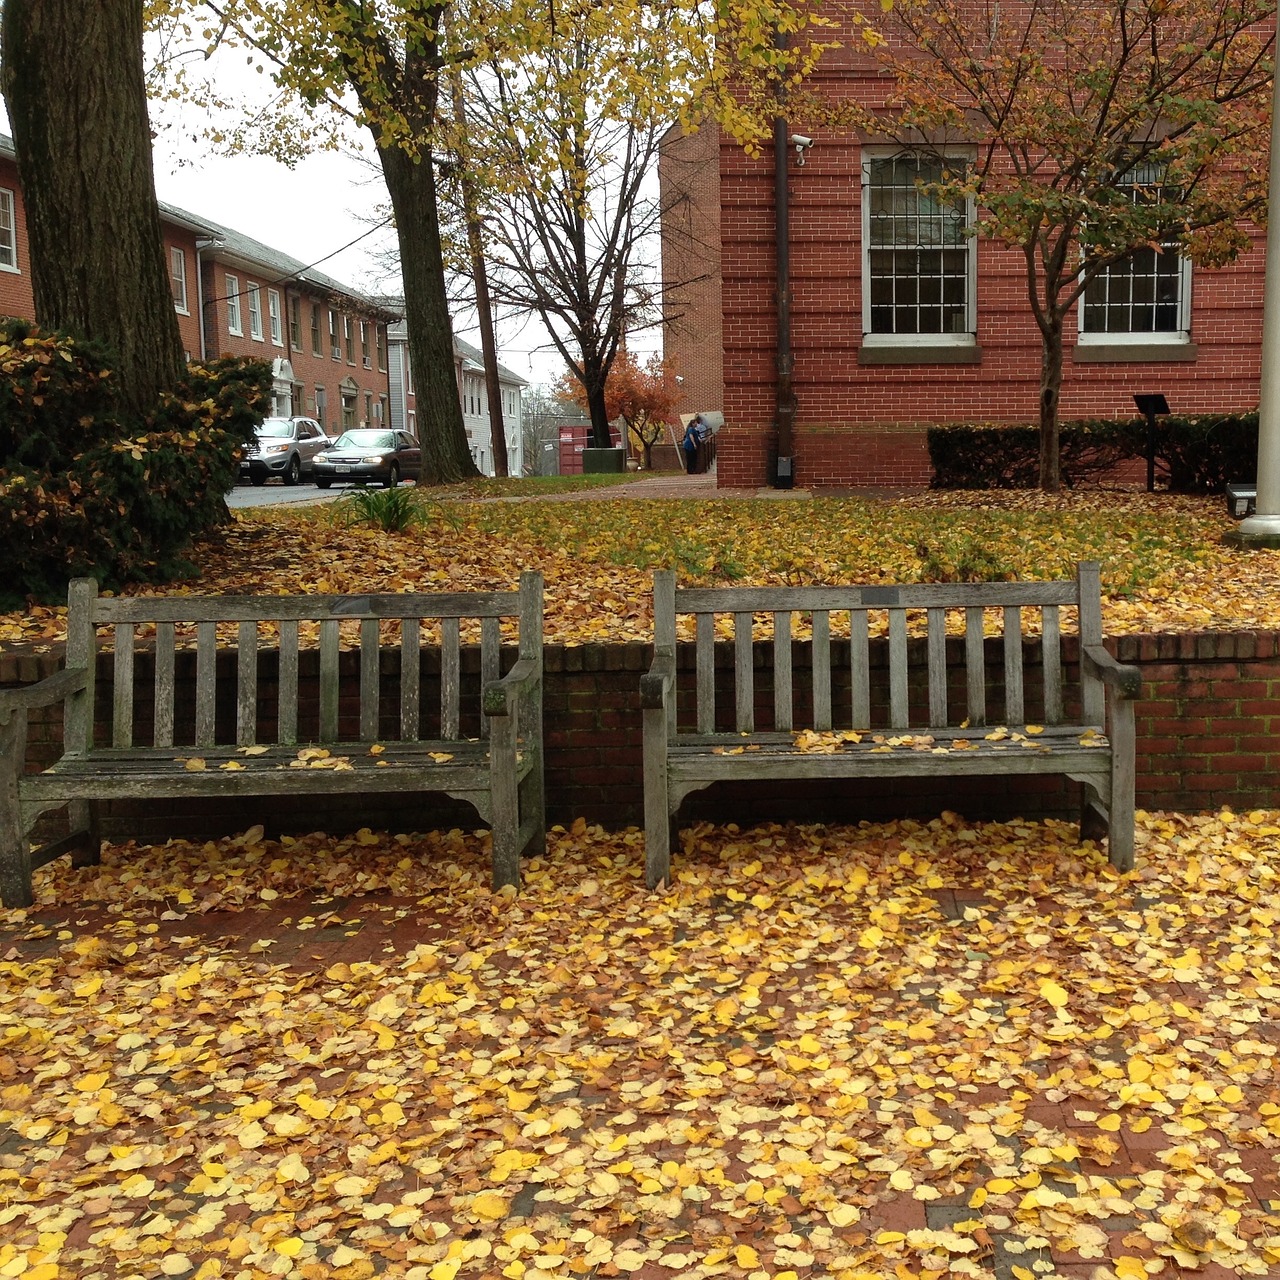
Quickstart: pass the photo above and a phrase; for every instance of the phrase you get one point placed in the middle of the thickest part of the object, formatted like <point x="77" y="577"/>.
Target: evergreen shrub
<point x="86" y="489"/>
<point x="1193" y="454"/>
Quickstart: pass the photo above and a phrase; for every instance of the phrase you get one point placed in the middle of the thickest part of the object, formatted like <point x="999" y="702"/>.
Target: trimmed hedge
<point x="86" y="490"/>
<point x="1193" y="454"/>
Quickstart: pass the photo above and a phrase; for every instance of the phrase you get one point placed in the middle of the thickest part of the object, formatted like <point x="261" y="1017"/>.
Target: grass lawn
<point x="893" y="1052"/>
<point x="1163" y="565"/>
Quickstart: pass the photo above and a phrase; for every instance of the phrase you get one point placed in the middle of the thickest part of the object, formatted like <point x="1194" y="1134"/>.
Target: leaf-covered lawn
<point x="907" y="1050"/>
<point x="1163" y="565"/>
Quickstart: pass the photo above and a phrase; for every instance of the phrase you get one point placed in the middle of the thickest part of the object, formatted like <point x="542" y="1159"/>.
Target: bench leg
<point x="1123" y="783"/>
<point x="1093" y="815"/>
<point x="533" y="807"/>
<point x="658" y="818"/>
<point x="506" y="802"/>
<point x="85" y="816"/>
<point x="15" y="849"/>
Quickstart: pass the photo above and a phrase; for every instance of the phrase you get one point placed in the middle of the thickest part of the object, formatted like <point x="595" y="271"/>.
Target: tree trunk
<point x="593" y="380"/>
<point x="1050" y="391"/>
<point x="480" y="274"/>
<point x="411" y="183"/>
<point x="74" y="86"/>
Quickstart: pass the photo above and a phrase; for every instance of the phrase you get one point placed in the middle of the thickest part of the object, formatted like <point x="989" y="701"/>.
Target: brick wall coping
<point x="17" y="667"/>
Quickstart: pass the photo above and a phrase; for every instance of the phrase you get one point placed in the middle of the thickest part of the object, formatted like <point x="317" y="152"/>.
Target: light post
<point x="1149" y="406"/>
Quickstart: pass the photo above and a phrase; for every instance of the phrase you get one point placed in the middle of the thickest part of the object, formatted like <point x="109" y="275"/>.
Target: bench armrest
<point x="657" y="681"/>
<point x="501" y="696"/>
<point x="45" y="693"/>
<point x="1124" y="679"/>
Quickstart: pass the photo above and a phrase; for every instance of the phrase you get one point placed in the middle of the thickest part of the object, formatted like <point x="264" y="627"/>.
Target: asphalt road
<point x="245" y="497"/>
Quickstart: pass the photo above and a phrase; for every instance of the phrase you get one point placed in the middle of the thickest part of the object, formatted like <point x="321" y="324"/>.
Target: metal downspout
<point x="785" y="414"/>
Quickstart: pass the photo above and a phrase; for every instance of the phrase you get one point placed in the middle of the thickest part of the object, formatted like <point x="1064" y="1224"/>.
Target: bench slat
<point x="163" y="734"/>
<point x="783" y="702"/>
<point x="744" y="673"/>
<point x="860" y="668"/>
<point x="287" y="688"/>
<point x="330" y="642"/>
<point x="82" y="649"/>
<point x="1015" y="711"/>
<point x="975" y="667"/>
<point x="494" y="604"/>
<point x="937" y="667"/>
<point x="410" y="679"/>
<point x="706" y="672"/>
<point x="924" y="595"/>
<point x="490" y="660"/>
<point x="206" y="684"/>
<point x="122" y="690"/>
<point x="450" y="666"/>
<point x="1092" y="694"/>
<point x="898" y="711"/>
<point x="247" y="685"/>
<point x="369" y="677"/>
<point x="821" y="666"/>
<point x="1051" y="663"/>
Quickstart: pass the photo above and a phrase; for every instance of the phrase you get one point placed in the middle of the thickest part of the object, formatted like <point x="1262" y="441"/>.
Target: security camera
<point x="801" y="144"/>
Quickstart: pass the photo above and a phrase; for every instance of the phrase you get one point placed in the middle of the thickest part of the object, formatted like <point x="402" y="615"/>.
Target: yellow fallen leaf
<point x="489" y="1206"/>
<point x="745" y="1256"/>
<point x="1128" y="1267"/>
<point x="1053" y="994"/>
<point x="194" y="765"/>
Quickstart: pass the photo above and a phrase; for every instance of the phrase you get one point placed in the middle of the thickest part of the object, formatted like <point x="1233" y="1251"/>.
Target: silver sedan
<point x="369" y="454"/>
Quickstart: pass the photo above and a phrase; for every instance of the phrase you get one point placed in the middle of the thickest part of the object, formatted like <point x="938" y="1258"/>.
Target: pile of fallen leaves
<point x="1164" y="567"/>
<point x="909" y="1050"/>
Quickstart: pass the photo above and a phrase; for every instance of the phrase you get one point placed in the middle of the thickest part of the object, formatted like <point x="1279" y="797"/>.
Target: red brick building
<point x="327" y="343"/>
<point x="877" y="358"/>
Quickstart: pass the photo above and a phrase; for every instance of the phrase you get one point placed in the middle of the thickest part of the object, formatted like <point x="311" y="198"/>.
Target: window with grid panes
<point x="8" y="231"/>
<point x="917" y="257"/>
<point x="1144" y="295"/>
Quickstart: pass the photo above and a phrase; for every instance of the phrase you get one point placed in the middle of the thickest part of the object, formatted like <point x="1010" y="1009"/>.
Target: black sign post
<point x="1151" y="406"/>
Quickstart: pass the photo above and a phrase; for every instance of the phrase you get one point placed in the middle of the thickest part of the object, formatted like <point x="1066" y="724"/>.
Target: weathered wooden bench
<point x="353" y="739"/>
<point x="923" y="725"/>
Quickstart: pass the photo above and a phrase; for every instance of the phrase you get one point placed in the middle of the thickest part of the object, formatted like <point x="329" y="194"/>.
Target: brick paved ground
<point x="1034" y="1168"/>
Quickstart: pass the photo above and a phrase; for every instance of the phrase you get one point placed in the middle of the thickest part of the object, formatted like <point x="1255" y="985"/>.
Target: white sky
<point x="310" y="211"/>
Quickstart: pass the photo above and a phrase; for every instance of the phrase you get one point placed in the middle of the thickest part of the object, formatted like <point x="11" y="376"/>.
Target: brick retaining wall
<point x="1208" y="726"/>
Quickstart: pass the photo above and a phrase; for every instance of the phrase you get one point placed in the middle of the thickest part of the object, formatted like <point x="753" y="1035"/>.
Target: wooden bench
<point x="925" y="725"/>
<point x="351" y="739"/>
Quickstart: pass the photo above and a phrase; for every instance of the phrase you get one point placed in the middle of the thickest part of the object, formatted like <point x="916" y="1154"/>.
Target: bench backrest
<point x="283" y="626"/>
<point x="896" y="611"/>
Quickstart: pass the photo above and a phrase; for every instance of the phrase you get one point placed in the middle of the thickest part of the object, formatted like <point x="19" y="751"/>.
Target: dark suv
<point x="285" y="447"/>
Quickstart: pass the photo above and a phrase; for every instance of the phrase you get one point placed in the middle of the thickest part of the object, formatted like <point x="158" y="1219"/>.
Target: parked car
<point x="285" y="447"/>
<point x="369" y="454"/>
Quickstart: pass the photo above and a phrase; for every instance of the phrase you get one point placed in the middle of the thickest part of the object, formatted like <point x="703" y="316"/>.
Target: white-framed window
<point x="295" y="322"/>
<point x="335" y="349"/>
<point x="919" y="260"/>
<point x="348" y="340"/>
<point x="364" y="345"/>
<point x="255" y="311"/>
<point x="408" y="371"/>
<point x="234" y="324"/>
<point x="8" y="230"/>
<point x="1146" y="296"/>
<point x="178" y="278"/>
<point x="274" y="319"/>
